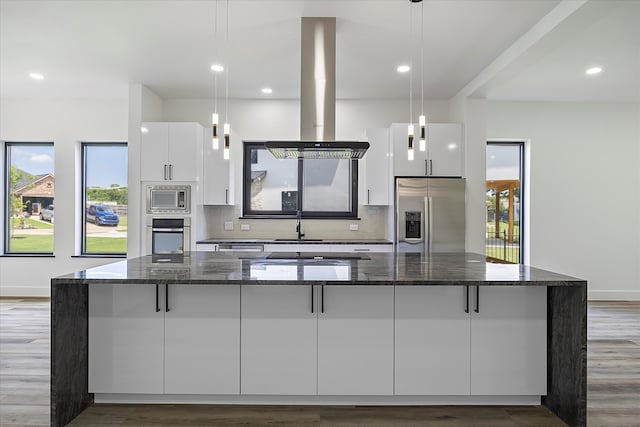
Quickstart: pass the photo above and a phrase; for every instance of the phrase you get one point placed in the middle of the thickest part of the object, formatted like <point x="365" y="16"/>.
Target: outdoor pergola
<point x="499" y="186"/>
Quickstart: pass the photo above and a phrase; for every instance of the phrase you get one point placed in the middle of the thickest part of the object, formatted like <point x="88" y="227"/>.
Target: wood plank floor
<point x="613" y="386"/>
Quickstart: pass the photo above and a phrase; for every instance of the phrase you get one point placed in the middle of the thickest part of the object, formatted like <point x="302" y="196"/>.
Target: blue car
<point x="101" y="215"/>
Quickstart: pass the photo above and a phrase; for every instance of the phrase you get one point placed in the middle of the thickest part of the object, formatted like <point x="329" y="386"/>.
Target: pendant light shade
<point x="215" y="120"/>
<point x="422" y="122"/>
<point x="410" y="132"/>
<point x="227" y="136"/>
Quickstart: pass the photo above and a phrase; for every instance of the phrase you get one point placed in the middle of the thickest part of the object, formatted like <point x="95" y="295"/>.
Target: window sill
<point x="27" y="255"/>
<point x="100" y="256"/>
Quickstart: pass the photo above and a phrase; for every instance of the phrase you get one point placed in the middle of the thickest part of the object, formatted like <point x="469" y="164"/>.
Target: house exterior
<point x="36" y="192"/>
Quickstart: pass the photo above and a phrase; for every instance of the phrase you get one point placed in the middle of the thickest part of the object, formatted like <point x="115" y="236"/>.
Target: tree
<point x="15" y="200"/>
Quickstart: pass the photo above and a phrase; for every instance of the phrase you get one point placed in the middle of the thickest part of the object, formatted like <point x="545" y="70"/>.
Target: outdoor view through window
<point x="503" y="201"/>
<point x="31" y="193"/>
<point x="105" y="195"/>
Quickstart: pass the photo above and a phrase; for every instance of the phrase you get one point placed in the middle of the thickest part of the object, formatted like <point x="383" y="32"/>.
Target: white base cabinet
<point x="432" y="341"/>
<point x="509" y="341"/>
<point x="279" y="340"/>
<point x="126" y="339"/>
<point x="190" y="345"/>
<point x="355" y="340"/>
<point x="202" y="340"/>
<point x="321" y="340"/>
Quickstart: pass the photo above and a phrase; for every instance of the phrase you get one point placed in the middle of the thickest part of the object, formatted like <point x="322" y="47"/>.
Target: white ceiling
<point x="97" y="47"/>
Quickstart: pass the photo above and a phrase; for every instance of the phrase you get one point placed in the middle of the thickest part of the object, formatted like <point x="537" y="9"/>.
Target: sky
<point x="106" y="165"/>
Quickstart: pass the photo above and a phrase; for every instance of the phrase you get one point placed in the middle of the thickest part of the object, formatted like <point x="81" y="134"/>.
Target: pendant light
<point x="216" y="68"/>
<point x="422" y="120"/>
<point x="410" y="128"/>
<point x="227" y="128"/>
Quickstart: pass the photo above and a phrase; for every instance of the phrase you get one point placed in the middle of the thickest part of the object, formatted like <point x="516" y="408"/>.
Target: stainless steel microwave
<point x="168" y="199"/>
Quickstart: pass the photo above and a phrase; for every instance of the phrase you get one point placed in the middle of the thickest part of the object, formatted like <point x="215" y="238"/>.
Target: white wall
<point x="584" y="189"/>
<point x="66" y="122"/>
<point x="258" y="119"/>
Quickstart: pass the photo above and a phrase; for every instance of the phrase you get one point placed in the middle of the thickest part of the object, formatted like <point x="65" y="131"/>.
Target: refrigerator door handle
<point x="429" y="225"/>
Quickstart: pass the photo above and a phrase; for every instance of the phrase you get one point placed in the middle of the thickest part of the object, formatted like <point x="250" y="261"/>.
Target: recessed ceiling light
<point x="593" y="70"/>
<point x="36" y="76"/>
<point x="217" y="68"/>
<point x="403" y="68"/>
<point x="267" y="90"/>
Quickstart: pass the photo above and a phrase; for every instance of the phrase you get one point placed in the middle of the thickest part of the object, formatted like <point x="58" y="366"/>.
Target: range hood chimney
<point x="318" y="99"/>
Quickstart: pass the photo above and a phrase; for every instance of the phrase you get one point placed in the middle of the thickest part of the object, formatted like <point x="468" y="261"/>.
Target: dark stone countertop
<point x="294" y="241"/>
<point x="240" y="268"/>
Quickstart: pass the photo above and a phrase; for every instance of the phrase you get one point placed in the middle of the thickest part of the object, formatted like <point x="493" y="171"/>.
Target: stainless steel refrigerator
<point x="430" y="215"/>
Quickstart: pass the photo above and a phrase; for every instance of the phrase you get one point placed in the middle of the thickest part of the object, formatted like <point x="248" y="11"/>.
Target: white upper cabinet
<point x="443" y="155"/>
<point x="217" y="182"/>
<point x="170" y="151"/>
<point x="377" y="169"/>
<point x="445" y="149"/>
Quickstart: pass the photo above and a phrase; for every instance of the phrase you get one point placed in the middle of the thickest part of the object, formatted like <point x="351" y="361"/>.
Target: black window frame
<point x="247" y="212"/>
<point x="522" y="152"/>
<point x="83" y="202"/>
<point x="5" y="191"/>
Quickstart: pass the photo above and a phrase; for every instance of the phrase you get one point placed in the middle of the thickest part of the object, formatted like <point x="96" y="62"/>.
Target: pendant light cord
<point x="410" y="65"/>
<point x="422" y="57"/>
<point x="226" y="106"/>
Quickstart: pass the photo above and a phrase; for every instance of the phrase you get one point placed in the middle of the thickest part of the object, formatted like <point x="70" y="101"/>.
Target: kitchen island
<point x="278" y="328"/>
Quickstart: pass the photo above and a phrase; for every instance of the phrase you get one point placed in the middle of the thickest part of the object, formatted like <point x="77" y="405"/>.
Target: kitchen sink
<point x="297" y="240"/>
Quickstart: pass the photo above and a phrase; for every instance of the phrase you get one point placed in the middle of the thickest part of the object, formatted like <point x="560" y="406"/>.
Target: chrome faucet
<point x="299" y="225"/>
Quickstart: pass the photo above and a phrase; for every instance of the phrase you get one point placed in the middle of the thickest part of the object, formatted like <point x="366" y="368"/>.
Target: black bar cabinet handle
<point x="477" y="309"/>
<point x="322" y="299"/>
<point x="165" y="172"/>
<point x="157" y="300"/>
<point x="312" y="298"/>
<point x="426" y="168"/>
<point x="170" y="172"/>
<point x="466" y="300"/>
<point x="166" y="298"/>
<point x="226" y="196"/>
<point x="431" y="166"/>
<point x="368" y="196"/>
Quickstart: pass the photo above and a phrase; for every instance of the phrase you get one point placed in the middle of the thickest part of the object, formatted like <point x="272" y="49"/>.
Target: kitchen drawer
<point x="207" y="247"/>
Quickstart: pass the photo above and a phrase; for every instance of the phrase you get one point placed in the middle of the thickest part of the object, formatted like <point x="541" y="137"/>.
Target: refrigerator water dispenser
<point x="413" y="225"/>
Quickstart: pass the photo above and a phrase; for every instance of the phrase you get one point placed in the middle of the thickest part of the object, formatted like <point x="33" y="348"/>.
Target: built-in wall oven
<point x="168" y="235"/>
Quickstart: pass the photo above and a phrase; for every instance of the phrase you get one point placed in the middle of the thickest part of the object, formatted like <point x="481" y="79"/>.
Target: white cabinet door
<point x="202" y="340"/>
<point x="206" y="247"/>
<point x="355" y="340"/>
<point x="402" y="166"/>
<point x="185" y="140"/>
<point x="445" y="149"/>
<point x="432" y="340"/>
<point x="154" y="152"/>
<point x="126" y="339"/>
<point x="279" y="340"/>
<point x="377" y="166"/>
<point x="217" y="189"/>
<point x="509" y="341"/>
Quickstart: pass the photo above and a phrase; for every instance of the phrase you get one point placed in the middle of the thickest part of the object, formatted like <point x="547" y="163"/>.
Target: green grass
<point x="44" y="244"/>
<point x="106" y="245"/>
<point x="32" y="223"/>
<point x="512" y="254"/>
<point x="31" y="244"/>
<point x="504" y="226"/>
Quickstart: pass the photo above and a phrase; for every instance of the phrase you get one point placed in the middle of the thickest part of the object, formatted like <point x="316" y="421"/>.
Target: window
<point x="318" y="188"/>
<point x="504" y="223"/>
<point x="104" y="198"/>
<point x="29" y="198"/>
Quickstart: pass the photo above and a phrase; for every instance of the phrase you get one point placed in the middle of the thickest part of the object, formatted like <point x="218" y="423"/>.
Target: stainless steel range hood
<point x="317" y="149"/>
<point x="318" y="99"/>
